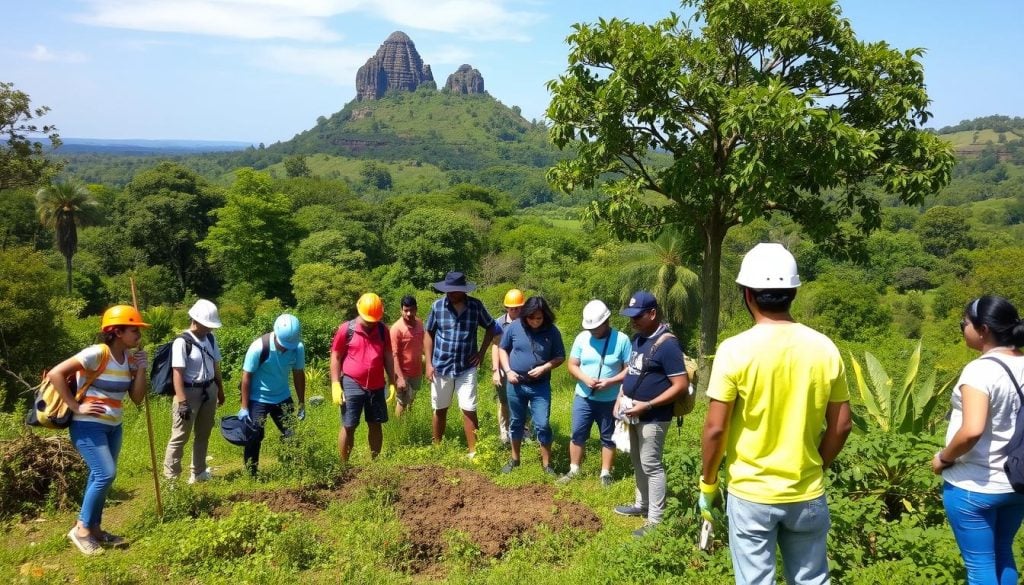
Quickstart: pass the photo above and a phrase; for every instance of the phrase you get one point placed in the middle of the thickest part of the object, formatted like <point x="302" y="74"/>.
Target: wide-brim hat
<point x="454" y="282"/>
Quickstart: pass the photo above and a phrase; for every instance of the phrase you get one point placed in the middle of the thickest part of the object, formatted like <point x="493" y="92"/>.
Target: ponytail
<point x="1017" y="334"/>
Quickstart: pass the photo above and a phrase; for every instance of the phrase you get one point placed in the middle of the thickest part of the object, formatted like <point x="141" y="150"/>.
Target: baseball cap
<point x="640" y="302"/>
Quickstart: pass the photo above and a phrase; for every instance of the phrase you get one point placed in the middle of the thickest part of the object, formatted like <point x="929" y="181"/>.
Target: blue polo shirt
<point x="587" y="348"/>
<point x="665" y="363"/>
<point x="528" y="349"/>
<point x="269" y="383"/>
<point x="455" y="334"/>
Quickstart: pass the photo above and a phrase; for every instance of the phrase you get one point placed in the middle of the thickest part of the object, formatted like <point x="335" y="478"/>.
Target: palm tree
<point x="659" y="267"/>
<point x="65" y="206"/>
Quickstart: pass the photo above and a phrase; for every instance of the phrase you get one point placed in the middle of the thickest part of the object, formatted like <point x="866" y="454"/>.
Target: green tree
<point x="295" y="166"/>
<point x="329" y="247"/>
<point x="660" y="267"/>
<point x="772" y="105"/>
<point x="944" y="230"/>
<point x="253" y="235"/>
<point x="23" y="157"/>
<point x="431" y="241"/>
<point x="63" y="207"/>
<point x="318" y="284"/>
<point x="376" y="175"/>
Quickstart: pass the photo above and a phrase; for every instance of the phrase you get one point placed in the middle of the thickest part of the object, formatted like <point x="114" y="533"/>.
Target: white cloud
<point x="335" y="65"/>
<point x="449" y="54"/>
<point x="306" y="20"/>
<point x="43" y="54"/>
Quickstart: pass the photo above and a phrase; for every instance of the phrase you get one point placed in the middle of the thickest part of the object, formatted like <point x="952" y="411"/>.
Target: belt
<point x="203" y="385"/>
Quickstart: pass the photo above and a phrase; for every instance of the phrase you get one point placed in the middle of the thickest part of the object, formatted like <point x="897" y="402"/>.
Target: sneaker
<point x="567" y="477"/>
<point x="607" y="481"/>
<point x="512" y="464"/>
<point x="644" y="530"/>
<point x="630" y="510"/>
<point x="471" y="455"/>
<point x="548" y="470"/>
<point x="108" y="539"/>
<point x="87" y="544"/>
<point x="199" y="477"/>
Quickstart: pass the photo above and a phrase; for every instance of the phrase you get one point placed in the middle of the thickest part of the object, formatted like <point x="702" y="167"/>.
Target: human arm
<point x="488" y="339"/>
<point x="838" y="424"/>
<point x="396" y="376"/>
<point x="974" y="404"/>
<point x="716" y="429"/>
<point x="58" y="377"/>
<point x="178" y="380"/>
<point x="218" y="380"/>
<point x="428" y="354"/>
<point x="503" y="358"/>
<point x="299" y="378"/>
<point x="573" y="365"/>
<point x="677" y="384"/>
<point x="137" y="364"/>
<point x="495" y="362"/>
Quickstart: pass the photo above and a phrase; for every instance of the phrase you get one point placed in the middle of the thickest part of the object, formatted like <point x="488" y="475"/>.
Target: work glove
<point x="243" y="414"/>
<point x="301" y="415"/>
<point x="707" y="499"/>
<point x="336" y="394"/>
<point x="184" y="412"/>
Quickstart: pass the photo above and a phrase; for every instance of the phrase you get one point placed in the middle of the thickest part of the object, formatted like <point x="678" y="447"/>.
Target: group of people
<point x="778" y="413"/>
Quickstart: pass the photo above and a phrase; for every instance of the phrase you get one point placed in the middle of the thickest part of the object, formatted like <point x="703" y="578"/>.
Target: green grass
<point x="407" y="176"/>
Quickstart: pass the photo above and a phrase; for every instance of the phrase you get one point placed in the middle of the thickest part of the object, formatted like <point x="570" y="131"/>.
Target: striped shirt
<point x="455" y="334"/>
<point x="110" y="387"/>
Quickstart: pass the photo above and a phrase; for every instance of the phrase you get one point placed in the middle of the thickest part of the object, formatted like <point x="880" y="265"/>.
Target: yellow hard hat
<point x="370" y="307"/>
<point x="121" y="315"/>
<point x="514" y="298"/>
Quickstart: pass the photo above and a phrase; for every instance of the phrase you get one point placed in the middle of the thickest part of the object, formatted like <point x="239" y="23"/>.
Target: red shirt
<point x="407" y="345"/>
<point x="363" y="359"/>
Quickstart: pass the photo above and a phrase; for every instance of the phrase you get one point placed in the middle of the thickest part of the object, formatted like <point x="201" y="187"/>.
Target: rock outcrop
<point x="396" y="66"/>
<point x="466" y="80"/>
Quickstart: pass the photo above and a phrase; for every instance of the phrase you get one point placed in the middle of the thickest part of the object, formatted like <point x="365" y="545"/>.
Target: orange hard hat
<point x="370" y="307"/>
<point x="514" y="298"/>
<point x="121" y="315"/>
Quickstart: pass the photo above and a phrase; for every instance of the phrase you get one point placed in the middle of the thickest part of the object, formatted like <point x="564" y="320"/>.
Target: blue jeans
<point x="259" y="411"/>
<point x="800" y="529"/>
<point x="99" y="445"/>
<point x="535" y="397"/>
<point x="984" y="526"/>
<point x="585" y="412"/>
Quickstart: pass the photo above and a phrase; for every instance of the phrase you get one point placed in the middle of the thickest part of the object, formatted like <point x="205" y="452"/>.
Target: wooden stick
<point x="149" y="426"/>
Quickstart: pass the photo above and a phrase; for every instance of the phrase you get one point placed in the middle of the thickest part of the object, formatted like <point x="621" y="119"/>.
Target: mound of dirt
<point x="36" y="472"/>
<point x="433" y="500"/>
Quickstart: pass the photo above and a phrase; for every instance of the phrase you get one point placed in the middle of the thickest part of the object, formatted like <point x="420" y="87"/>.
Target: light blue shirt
<point x="269" y="383"/>
<point x="587" y="349"/>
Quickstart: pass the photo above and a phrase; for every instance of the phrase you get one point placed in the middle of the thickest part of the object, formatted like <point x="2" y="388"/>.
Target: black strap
<point x="604" y="351"/>
<point x="654" y="349"/>
<point x="1013" y="378"/>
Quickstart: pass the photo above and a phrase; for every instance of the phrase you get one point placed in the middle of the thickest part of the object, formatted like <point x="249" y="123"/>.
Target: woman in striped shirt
<point x="96" y="426"/>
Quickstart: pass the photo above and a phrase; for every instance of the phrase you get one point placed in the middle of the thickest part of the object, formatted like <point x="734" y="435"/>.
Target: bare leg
<point x="517" y="445"/>
<point x="607" y="457"/>
<point x="439" y="423"/>
<point x="346" y="437"/>
<point x="576" y="453"/>
<point x="376" y="438"/>
<point x="469" y="426"/>
<point x="545" y="455"/>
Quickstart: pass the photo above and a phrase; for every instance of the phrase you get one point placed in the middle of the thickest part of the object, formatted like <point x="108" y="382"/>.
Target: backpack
<point x="685" y="400"/>
<point x="1014" y="466"/>
<point x="161" y="380"/>
<point x="49" y="410"/>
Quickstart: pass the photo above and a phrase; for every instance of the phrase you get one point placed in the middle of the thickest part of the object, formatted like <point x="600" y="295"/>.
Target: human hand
<point x="638" y="408"/>
<point x="89" y="408"/>
<point x="475" y="359"/>
<point x="243" y="414"/>
<point x="938" y="465"/>
<point x="183" y="411"/>
<point x="337" y="396"/>
<point x="707" y="499"/>
<point x="139" y="359"/>
<point x="496" y="378"/>
<point x="598" y="384"/>
<point x="429" y="372"/>
<point x="538" y="371"/>
<point x="400" y="384"/>
<point x="220" y="397"/>
<point x="301" y="415"/>
<point x="512" y="377"/>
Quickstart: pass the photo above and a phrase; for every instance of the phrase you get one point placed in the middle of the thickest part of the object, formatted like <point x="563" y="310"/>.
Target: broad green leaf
<point x="867" y="395"/>
<point x="912" y="368"/>
<point x="882" y="386"/>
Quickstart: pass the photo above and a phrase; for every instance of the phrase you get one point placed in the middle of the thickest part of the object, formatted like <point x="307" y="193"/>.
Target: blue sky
<point x="264" y="70"/>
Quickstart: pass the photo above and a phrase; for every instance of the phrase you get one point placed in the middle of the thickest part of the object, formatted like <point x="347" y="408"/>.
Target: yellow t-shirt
<point x="781" y="378"/>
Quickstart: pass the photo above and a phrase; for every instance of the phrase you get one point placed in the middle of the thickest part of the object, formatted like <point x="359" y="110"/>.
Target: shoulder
<point x="581" y="338"/>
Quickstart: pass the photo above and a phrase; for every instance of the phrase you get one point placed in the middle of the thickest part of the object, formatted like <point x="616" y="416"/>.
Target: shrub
<point x="39" y="473"/>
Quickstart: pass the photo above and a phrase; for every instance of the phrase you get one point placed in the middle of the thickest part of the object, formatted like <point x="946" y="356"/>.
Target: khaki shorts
<point x="412" y="387"/>
<point x="443" y="390"/>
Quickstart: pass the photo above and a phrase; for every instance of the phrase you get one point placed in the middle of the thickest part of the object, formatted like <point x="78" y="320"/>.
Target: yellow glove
<point x="391" y="394"/>
<point x="707" y="498"/>
<point x="336" y="394"/>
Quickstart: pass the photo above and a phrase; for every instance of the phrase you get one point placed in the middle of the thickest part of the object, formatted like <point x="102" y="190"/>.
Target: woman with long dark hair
<point x="530" y="348"/>
<point x="118" y="369"/>
<point x="983" y="509"/>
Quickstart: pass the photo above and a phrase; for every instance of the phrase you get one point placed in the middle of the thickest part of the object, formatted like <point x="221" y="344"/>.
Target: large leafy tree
<point x="749" y="108"/>
<point x="23" y="157"/>
<point x="253" y="235"/>
<point x="430" y="241"/>
<point x="63" y="207"/>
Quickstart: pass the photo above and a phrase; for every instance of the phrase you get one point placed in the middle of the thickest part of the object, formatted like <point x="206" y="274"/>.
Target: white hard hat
<point x="594" y="314"/>
<point x="768" y="265"/>
<point x="205" y="313"/>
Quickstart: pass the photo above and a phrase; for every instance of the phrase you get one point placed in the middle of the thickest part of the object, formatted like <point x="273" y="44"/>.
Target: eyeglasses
<point x="963" y="324"/>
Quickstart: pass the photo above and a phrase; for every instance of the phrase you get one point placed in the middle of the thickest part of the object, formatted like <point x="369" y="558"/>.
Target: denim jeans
<point x="984" y="526"/>
<point x="646" y="444"/>
<point x="99" y="445"/>
<point x="535" y="397"/>
<point x="585" y="412"/>
<point x="259" y="411"/>
<point x="800" y="529"/>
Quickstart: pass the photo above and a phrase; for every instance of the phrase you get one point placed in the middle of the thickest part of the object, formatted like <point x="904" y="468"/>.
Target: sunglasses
<point x="963" y="324"/>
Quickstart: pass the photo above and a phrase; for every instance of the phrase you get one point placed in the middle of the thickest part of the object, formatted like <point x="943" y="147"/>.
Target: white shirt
<point x="981" y="468"/>
<point x="199" y="364"/>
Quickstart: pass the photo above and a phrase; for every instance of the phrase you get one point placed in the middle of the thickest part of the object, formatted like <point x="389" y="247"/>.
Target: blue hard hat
<point x="288" y="331"/>
<point x="238" y="431"/>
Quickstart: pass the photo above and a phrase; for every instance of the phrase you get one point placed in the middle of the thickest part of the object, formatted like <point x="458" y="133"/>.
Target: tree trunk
<point x="67" y="265"/>
<point x="710" y="285"/>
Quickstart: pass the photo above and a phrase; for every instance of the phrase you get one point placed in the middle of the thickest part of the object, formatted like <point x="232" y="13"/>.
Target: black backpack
<point x="351" y="330"/>
<point x="161" y="380"/>
<point x="1014" y="466"/>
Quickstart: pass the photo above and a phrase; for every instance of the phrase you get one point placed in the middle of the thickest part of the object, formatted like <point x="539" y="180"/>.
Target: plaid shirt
<point x="455" y="335"/>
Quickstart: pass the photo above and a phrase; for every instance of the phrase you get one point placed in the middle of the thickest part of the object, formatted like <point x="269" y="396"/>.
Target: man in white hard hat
<point x="597" y="360"/>
<point x="779" y="415"/>
<point x="195" y="373"/>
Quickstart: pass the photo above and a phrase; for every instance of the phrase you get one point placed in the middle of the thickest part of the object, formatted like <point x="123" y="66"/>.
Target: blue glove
<point x="243" y="414"/>
<point x="301" y="415"/>
<point x="706" y="500"/>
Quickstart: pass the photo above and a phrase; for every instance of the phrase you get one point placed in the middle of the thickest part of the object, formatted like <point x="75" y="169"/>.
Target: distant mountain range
<point x="139" y="146"/>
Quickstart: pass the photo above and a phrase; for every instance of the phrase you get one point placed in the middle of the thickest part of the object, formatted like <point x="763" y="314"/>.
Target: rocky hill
<point x="397" y="66"/>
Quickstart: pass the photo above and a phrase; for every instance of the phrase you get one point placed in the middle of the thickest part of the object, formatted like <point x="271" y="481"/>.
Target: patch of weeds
<point x="461" y="553"/>
<point x="297" y="549"/>
<point x="307" y="457"/>
<point x="381" y="485"/>
<point x="182" y="501"/>
<point x="107" y="570"/>
<point x="39" y="474"/>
